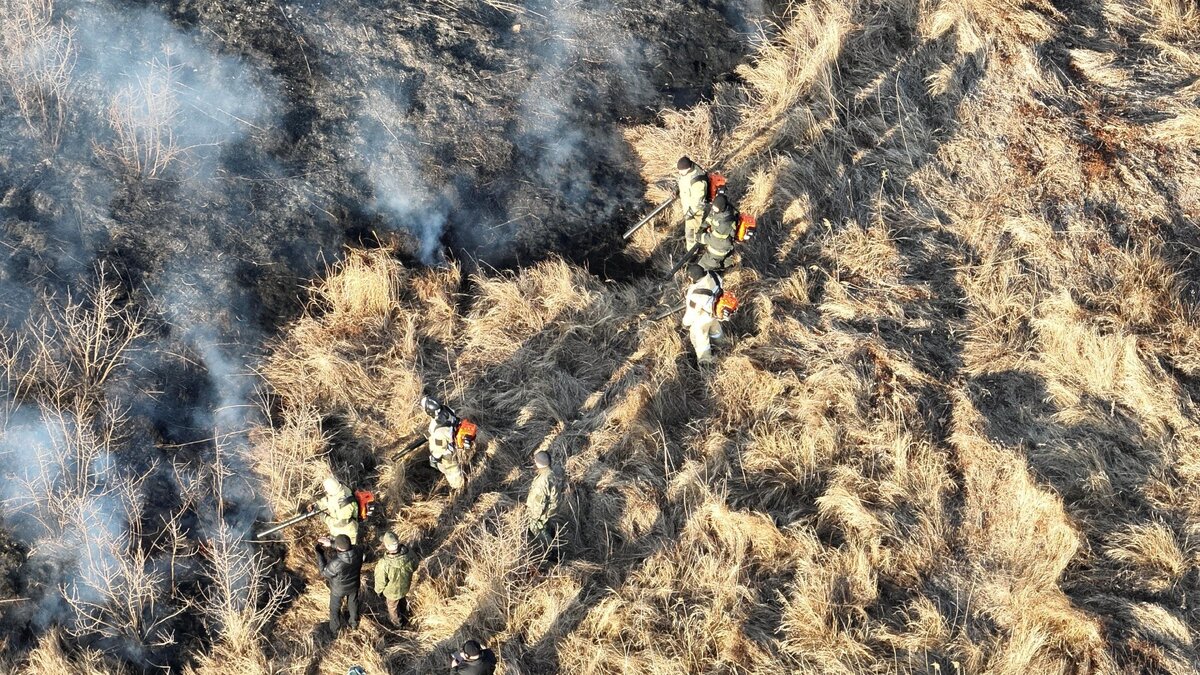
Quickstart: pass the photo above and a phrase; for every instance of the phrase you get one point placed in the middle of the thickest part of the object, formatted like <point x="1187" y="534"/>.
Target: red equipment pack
<point x="716" y="185"/>
<point x="464" y="434"/>
<point x="726" y="305"/>
<point x="366" y="503"/>
<point x="745" y="227"/>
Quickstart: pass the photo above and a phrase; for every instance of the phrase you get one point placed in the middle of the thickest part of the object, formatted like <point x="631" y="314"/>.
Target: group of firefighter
<point x="712" y="227"/>
<point x="339" y="557"/>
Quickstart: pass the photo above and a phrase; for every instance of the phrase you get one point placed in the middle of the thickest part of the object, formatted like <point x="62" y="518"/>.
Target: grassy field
<point x="954" y="429"/>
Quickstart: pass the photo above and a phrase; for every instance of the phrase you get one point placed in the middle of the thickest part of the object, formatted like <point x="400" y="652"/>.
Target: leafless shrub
<point x="143" y="116"/>
<point x="66" y="352"/>
<point x="244" y="595"/>
<point x="120" y="593"/>
<point x="36" y="61"/>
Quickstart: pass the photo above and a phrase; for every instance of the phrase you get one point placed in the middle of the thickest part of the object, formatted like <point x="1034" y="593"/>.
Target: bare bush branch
<point x="36" y="61"/>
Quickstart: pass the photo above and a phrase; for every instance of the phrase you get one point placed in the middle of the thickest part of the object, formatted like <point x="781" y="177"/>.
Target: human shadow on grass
<point x="601" y="502"/>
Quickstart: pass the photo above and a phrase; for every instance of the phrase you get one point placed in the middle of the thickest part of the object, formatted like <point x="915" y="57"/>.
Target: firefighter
<point x="692" y="186"/>
<point x="717" y="238"/>
<point x="708" y="304"/>
<point x="473" y="659"/>
<point x="341" y="509"/>
<point x="447" y="433"/>
<point x="393" y="576"/>
<point x="541" y="505"/>
<point x="341" y="568"/>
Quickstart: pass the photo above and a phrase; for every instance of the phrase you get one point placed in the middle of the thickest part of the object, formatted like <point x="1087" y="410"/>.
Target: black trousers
<point x="335" y="609"/>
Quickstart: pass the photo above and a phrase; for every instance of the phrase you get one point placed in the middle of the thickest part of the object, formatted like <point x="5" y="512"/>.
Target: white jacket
<point x="701" y="297"/>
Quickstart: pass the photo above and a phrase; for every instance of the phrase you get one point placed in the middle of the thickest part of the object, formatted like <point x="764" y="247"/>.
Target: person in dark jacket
<point x="341" y="568"/>
<point x="473" y="660"/>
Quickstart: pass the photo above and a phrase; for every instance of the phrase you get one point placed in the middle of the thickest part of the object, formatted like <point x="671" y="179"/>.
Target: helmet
<point x="332" y="486"/>
<point x="541" y="459"/>
<point x="390" y="541"/>
<point x="720" y="203"/>
<point x="472" y="649"/>
<point x="684" y="163"/>
<point x="695" y="272"/>
<point x="341" y="542"/>
<point x="430" y="406"/>
<point x="464" y="435"/>
<point x="727" y="304"/>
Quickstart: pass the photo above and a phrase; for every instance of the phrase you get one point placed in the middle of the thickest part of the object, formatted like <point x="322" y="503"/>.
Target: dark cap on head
<point x="341" y="542"/>
<point x="695" y="272"/>
<point x="472" y="649"/>
<point x="720" y="203"/>
<point x="541" y="458"/>
<point x="684" y="163"/>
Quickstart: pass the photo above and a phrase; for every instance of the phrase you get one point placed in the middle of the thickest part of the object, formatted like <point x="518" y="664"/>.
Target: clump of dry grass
<point x="1151" y="553"/>
<point x="364" y="290"/>
<point x="52" y="655"/>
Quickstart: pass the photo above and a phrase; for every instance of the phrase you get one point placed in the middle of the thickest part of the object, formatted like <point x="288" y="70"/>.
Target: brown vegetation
<point x="954" y="429"/>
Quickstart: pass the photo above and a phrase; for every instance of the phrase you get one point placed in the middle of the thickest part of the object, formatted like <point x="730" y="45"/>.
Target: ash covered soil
<point x="445" y="129"/>
<point x="492" y="133"/>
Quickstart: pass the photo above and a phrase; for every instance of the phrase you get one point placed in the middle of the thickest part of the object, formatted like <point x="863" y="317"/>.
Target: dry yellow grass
<point x="953" y="429"/>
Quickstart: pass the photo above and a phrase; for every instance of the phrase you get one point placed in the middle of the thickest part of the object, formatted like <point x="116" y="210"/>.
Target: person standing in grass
<point x="708" y="304"/>
<point x="473" y="659"/>
<point x="341" y="509"/>
<point x="447" y="434"/>
<point x="342" y="570"/>
<point x="692" y="188"/>
<point x="541" y="505"/>
<point x="717" y="236"/>
<point x="393" y="576"/>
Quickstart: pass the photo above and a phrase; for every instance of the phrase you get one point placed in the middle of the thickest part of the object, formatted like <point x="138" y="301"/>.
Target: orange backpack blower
<point x="464" y="434"/>
<point x="716" y="185"/>
<point x="727" y="304"/>
<point x="366" y="503"/>
<point x="745" y="227"/>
